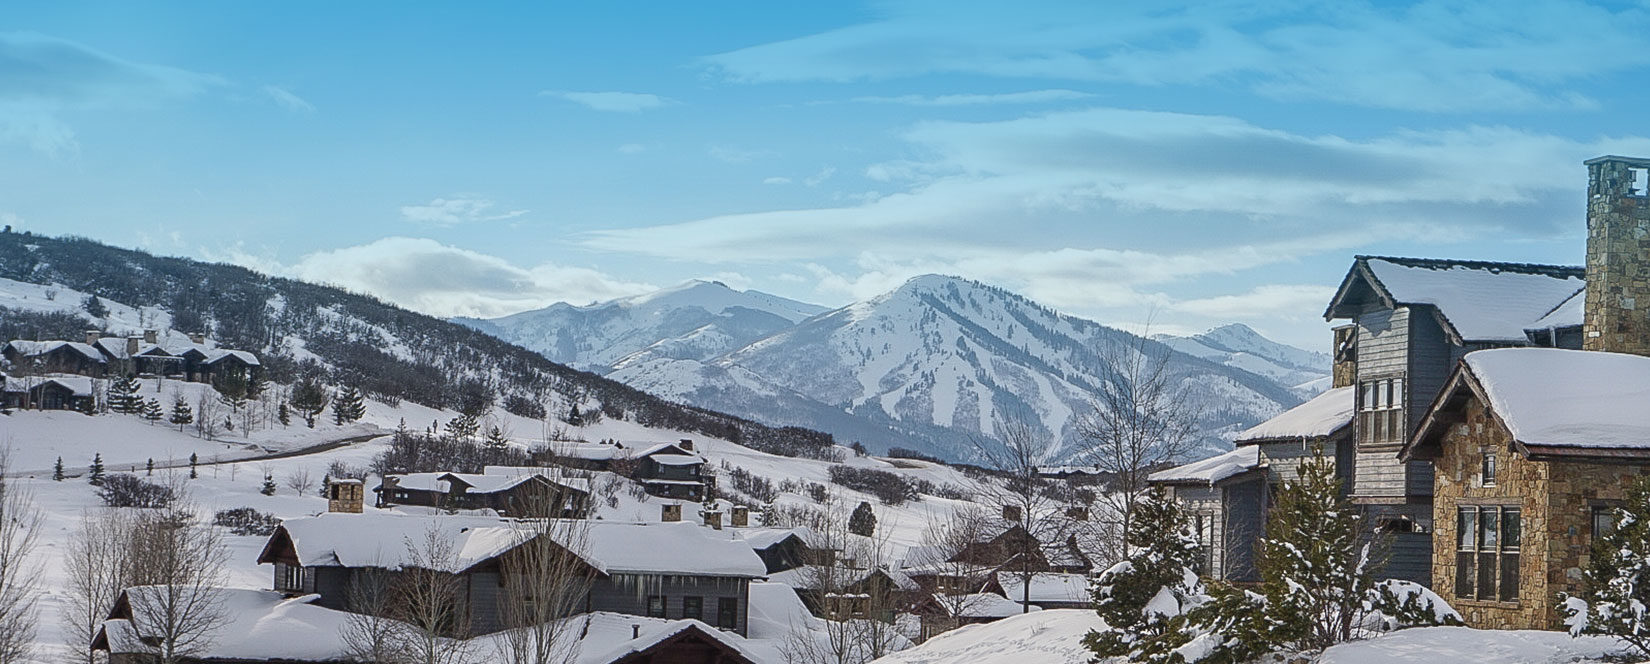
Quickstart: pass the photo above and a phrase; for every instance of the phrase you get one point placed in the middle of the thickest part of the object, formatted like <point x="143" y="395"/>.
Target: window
<point x="1381" y="410"/>
<point x="1489" y="469"/>
<point x="1604" y="520"/>
<point x="727" y="612"/>
<point x="1203" y="528"/>
<point x="655" y="606"/>
<point x="1487" y="542"/>
<point x="289" y="577"/>
<point x="693" y="607"/>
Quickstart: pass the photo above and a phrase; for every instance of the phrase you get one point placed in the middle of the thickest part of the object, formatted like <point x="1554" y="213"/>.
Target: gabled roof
<point x="762" y="538"/>
<point x="115" y="347"/>
<point x="1565" y="315"/>
<point x="1553" y="402"/>
<point x="79" y="386"/>
<point x="981" y="605"/>
<point x="264" y="624"/>
<point x="1211" y="470"/>
<point x="474" y="483"/>
<point x="1047" y="587"/>
<point x="35" y="348"/>
<point x="1475" y="301"/>
<point x="612" y="638"/>
<point x="1320" y="417"/>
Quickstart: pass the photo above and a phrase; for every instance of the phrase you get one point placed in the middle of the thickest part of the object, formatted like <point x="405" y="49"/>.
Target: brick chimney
<point x="670" y="512"/>
<point x="197" y="338"/>
<point x="1346" y="356"/>
<point x="91" y="337"/>
<point x="1618" y="256"/>
<point x="741" y="517"/>
<point x="346" y="496"/>
<point x="151" y="337"/>
<point x="686" y="444"/>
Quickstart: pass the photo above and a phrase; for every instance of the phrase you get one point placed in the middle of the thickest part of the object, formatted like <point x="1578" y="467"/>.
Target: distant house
<point x="786" y="548"/>
<point x="1048" y="590"/>
<point x="938" y="617"/>
<point x="44" y="357"/>
<point x="138" y="356"/>
<point x="210" y="365"/>
<point x="839" y="592"/>
<point x="50" y="393"/>
<point x="540" y="494"/>
<point x="662" y="570"/>
<point x="671" y="470"/>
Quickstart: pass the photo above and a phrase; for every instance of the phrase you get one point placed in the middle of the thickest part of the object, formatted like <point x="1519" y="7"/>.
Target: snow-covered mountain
<point x="696" y="320"/>
<point x="1238" y="345"/>
<point x="927" y="366"/>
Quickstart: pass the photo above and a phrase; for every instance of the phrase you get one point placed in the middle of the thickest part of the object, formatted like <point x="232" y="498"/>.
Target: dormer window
<point x="1489" y="469"/>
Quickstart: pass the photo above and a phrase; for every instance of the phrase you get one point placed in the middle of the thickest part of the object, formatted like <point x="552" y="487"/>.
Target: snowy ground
<point x="1426" y="645"/>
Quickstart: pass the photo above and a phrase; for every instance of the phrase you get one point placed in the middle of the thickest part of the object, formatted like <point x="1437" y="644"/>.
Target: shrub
<point x="246" y="521"/>
<point x="126" y="490"/>
<point x="908" y="453"/>
<point x="891" y="489"/>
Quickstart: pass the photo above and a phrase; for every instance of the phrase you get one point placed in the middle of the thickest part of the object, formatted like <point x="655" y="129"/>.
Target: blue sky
<point x="1194" y="165"/>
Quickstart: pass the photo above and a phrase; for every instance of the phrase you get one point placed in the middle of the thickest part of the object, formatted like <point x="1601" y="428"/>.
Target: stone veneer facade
<point x="1618" y="258"/>
<point x="1556" y="499"/>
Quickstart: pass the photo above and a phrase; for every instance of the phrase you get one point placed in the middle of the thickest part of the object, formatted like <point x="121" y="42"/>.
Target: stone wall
<point x="1557" y="499"/>
<point x="1618" y="258"/>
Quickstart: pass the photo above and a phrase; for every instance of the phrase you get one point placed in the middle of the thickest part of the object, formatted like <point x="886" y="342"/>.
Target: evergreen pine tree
<point x="57" y="470"/>
<point x="269" y="486"/>
<point x="863" y="521"/>
<point x="1616" y="583"/>
<point x="348" y="406"/>
<point x="1155" y="584"/>
<point x="193" y="473"/>
<point x="326" y="481"/>
<point x="496" y="439"/>
<point x="95" y="475"/>
<point x="182" y="414"/>
<point x="124" y="397"/>
<point x="309" y="399"/>
<point x="283" y="414"/>
<point x="152" y="411"/>
<point x="463" y="427"/>
<point x="149" y="468"/>
<point x="94" y="307"/>
<point x="573" y="416"/>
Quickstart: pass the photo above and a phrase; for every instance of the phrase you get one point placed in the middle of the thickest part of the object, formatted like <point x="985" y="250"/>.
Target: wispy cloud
<point x="1431" y="56"/>
<point x="614" y="102"/>
<point x="456" y="210"/>
<point x="776" y="180"/>
<point x="1028" y="97"/>
<point x="287" y="100"/>
<point x="443" y="280"/>
<point x="42" y="76"/>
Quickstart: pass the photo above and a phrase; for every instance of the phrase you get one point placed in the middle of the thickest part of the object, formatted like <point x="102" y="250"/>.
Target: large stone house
<point x="1533" y="446"/>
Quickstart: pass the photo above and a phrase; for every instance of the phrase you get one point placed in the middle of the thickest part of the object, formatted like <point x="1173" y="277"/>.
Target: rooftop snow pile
<point x="678" y="547"/>
<point x="1550" y="396"/>
<point x="1045" y="637"/>
<point x="1321" y="416"/>
<point x="28" y="348"/>
<point x="260" y="625"/>
<point x="1568" y="314"/>
<point x="1482" y="301"/>
<point x="1212" y="469"/>
<point x="1047" y="587"/>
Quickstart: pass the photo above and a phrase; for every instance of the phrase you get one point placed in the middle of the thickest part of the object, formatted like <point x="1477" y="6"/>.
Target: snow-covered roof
<point x="218" y="354"/>
<point x="35" y="348"/>
<point x="985" y="605"/>
<point x="1556" y="397"/>
<point x="1045" y="637"/>
<point x="678" y="547"/>
<point x="483" y="483"/>
<point x="1478" y="301"/>
<point x="116" y="347"/>
<point x="1319" y="417"/>
<point x="677" y="460"/>
<point x="587" y="451"/>
<point x="80" y="386"/>
<point x="260" y="625"/>
<point x="1212" y="469"/>
<point x="604" y="637"/>
<point x="1568" y="314"/>
<point x="762" y="538"/>
<point x="1047" y="587"/>
<point x="385" y="540"/>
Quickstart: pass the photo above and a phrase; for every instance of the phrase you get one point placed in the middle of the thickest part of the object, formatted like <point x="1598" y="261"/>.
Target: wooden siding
<point x="1245" y="524"/>
<point x="628" y="593"/>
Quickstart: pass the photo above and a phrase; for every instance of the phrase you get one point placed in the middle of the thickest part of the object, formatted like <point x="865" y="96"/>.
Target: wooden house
<point x="671" y="470"/>
<point x="210" y="365"/>
<point x="138" y="356"/>
<point x="46" y="357"/>
<point x="1048" y="590"/>
<point x="1224" y="496"/>
<point x="50" y="393"/>
<point x="534" y="494"/>
<point x="938" y="617"/>
<point x="786" y="548"/>
<point x="661" y="570"/>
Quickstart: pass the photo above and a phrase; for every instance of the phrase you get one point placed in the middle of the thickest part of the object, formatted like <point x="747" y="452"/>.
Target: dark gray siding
<point x="1245" y="524"/>
<point x="1408" y="555"/>
<point x="484" y="595"/>
<point x="628" y="593"/>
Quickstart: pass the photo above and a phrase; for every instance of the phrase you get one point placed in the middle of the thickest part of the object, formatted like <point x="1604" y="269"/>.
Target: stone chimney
<point x="91" y="337"/>
<point x="151" y="337"/>
<point x="670" y="512"/>
<point x="686" y="444"/>
<point x="1618" y="256"/>
<point x="347" y="496"/>
<point x="713" y="518"/>
<point x="1346" y="356"/>
<point x="131" y="346"/>
<point x="741" y="517"/>
<point x="1077" y="513"/>
<point x="1011" y="512"/>
<point x="197" y="338"/>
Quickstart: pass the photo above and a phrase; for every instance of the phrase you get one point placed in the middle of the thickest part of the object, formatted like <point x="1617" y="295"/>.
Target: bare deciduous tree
<point x="1142" y="417"/>
<point x="544" y="580"/>
<point x="369" y="633"/>
<point x="176" y="566"/>
<point x="859" y="604"/>
<point x="299" y="481"/>
<point x="959" y="582"/>
<point x="20" y="525"/>
<point x="97" y="569"/>
<point x="1025" y="497"/>
<point x="426" y="594"/>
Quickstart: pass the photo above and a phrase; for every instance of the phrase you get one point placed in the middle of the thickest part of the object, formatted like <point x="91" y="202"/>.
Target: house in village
<point x="54" y="392"/>
<point x="1532" y="446"/>
<point x="784" y="549"/>
<point x="1226" y="496"/>
<point x="271" y="628"/>
<point x="661" y="570"/>
<point x="25" y="357"/>
<point x="667" y="470"/>
<point x="544" y="493"/>
<point x="148" y="355"/>
<point x="137" y="356"/>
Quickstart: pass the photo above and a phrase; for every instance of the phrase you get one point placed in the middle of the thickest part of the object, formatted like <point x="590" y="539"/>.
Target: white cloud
<point x="632" y="148"/>
<point x="776" y="180"/>
<point x="456" y="210"/>
<point x="1424" y="56"/>
<point x="613" y="102"/>
<point x="443" y="280"/>
<point x="1266" y="301"/>
<point x="1028" y="97"/>
<point x="820" y="177"/>
<point x="287" y="100"/>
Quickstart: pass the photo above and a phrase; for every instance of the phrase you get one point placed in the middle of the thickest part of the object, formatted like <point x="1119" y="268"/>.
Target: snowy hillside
<point x="1237" y="345"/>
<point x="696" y="321"/>
<point x="933" y="363"/>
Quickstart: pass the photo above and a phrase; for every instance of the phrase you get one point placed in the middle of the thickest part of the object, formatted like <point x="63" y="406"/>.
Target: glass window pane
<point x="1488" y="532"/>
<point x="1466" y="528"/>
<point x="1464" y="574"/>
<point x="1397" y="391"/>
<point x="1604" y="521"/>
<point x="1511" y="529"/>
<point x="1509" y="577"/>
<point x="1486" y="576"/>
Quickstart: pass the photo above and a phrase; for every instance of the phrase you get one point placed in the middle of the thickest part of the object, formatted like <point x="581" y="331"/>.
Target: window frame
<point x="698" y="604"/>
<point x="727" y="612"/>
<point x="662" y="602"/>
<point x="1381" y="408"/>
<point x="1488" y="552"/>
<point x="1487" y="469"/>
